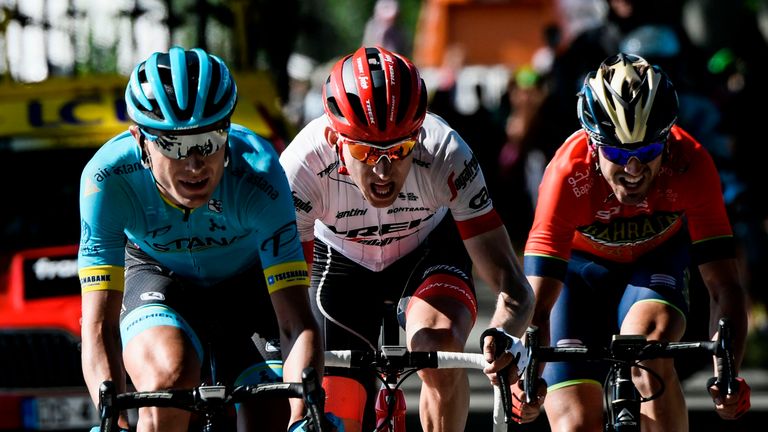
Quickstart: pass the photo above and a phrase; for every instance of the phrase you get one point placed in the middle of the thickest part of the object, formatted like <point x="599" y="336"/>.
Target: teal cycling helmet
<point x="180" y="90"/>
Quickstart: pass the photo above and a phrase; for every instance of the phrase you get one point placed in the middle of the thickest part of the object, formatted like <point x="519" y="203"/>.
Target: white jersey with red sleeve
<point x="445" y="176"/>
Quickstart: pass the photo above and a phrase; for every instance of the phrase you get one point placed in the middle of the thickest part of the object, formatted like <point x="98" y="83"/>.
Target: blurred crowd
<point x="714" y="51"/>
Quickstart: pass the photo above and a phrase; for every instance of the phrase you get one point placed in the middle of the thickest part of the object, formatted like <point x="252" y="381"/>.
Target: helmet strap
<point x="146" y="159"/>
<point x="342" y="164"/>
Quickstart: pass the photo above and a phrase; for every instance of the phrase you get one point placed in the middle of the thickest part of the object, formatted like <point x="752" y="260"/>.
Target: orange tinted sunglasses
<point x="370" y="154"/>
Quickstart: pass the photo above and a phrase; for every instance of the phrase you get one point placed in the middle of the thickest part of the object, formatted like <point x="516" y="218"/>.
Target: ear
<point x="331" y="136"/>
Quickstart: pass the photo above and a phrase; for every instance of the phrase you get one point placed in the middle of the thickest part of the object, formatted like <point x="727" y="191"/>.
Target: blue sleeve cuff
<point x="545" y="266"/>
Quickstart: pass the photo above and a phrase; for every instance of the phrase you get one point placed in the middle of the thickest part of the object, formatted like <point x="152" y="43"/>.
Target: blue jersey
<point x="249" y="219"/>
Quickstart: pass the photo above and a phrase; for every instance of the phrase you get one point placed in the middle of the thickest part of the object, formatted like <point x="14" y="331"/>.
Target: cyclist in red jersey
<point x="392" y="206"/>
<point x="625" y="206"/>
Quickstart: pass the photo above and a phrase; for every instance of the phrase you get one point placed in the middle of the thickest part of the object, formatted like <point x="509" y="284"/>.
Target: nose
<point x="634" y="166"/>
<point x="194" y="162"/>
<point x="383" y="168"/>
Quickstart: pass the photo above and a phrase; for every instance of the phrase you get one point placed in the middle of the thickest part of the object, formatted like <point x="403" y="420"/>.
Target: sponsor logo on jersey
<point x="444" y="268"/>
<point x="465" y="177"/>
<point x="626" y="231"/>
<point x="283" y="236"/>
<point x="260" y="182"/>
<point x="152" y="296"/>
<point x="351" y="213"/>
<point x="378" y="241"/>
<point x="406" y="209"/>
<point x="480" y="200"/>
<point x="215" y="205"/>
<point x="410" y="196"/>
<point x="305" y="206"/>
<point x="379" y="230"/>
<point x="192" y="243"/>
<point x="421" y="163"/>
<point x="287" y="275"/>
<point x="95" y="278"/>
<point x="327" y="170"/>
<point x="102" y="173"/>
<point x="214" y="226"/>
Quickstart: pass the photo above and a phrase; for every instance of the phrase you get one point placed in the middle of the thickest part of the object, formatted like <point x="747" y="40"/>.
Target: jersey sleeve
<point x="305" y="188"/>
<point x="280" y="250"/>
<point x="104" y="204"/>
<point x="548" y="247"/>
<point x="708" y="223"/>
<point x="462" y="186"/>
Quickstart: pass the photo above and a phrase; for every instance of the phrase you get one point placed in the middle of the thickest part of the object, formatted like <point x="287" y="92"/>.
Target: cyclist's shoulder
<point x="573" y="156"/>
<point x="310" y="148"/>
<point x="120" y="155"/>
<point x="251" y="153"/>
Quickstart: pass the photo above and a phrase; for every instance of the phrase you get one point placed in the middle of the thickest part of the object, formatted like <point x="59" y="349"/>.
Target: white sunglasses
<point x="178" y="146"/>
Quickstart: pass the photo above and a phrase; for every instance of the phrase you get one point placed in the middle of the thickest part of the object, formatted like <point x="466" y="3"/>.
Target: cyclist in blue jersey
<point x="189" y="252"/>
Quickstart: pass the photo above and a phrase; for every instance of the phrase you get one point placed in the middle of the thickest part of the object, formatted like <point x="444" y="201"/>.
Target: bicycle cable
<point x="612" y="373"/>
<point x="391" y="391"/>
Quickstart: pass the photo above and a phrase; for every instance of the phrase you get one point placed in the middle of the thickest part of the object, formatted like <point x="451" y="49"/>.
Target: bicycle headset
<point x="376" y="96"/>
<point x="181" y="90"/>
<point x="627" y="102"/>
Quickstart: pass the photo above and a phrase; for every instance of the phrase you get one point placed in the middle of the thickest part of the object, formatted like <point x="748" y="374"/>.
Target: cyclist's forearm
<point x="101" y="356"/>
<point x="513" y="313"/>
<point x="302" y="351"/>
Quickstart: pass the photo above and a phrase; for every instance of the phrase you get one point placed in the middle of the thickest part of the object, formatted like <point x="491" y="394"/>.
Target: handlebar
<point x="210" y="398"/>
<point x="394" y="359"/>
<point x="632" y="348"/>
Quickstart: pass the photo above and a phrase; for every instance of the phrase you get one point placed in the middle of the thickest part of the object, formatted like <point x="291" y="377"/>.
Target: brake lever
<point x="501" y="375"/>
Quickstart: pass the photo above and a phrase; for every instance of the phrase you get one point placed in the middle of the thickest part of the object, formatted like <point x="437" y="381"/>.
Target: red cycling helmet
<point x="376" y="96"/>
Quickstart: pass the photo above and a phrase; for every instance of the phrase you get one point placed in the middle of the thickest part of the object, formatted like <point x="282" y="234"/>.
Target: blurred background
<point x="504" y="73"/>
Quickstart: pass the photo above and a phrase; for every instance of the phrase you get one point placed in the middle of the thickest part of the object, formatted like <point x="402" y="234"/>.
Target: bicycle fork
<point x="394" y="398"/>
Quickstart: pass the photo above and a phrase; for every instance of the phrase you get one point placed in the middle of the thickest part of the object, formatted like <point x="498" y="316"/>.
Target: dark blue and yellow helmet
<point x="627" y="101"/>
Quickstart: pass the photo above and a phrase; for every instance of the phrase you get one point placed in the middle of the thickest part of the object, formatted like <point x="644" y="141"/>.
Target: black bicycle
<point x="621" y="398"/>
<point x="212" y="402"/>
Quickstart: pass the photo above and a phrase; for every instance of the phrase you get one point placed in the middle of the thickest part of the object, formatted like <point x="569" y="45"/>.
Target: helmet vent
<point x="405" y="90"/>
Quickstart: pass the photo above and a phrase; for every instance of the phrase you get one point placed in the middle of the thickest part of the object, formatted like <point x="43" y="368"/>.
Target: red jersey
<point x="577" y="208"/>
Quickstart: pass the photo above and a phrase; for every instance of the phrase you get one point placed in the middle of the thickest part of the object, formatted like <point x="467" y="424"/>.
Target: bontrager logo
<point x="406" y="209"/>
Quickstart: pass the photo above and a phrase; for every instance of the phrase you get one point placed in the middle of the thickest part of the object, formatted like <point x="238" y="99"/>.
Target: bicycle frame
<point x="622" y="399"/>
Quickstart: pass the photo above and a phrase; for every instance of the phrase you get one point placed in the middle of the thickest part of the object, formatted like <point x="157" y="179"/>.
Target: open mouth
<point x="382" y="191"/>
<point x="194" y="185"/>
<point x="631" y="183"/>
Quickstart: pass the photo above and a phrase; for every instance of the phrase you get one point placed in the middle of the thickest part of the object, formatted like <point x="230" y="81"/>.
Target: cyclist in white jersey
<point x="392" y="206"/>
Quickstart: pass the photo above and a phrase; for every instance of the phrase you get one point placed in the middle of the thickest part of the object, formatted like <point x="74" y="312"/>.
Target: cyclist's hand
<point x="332" y="424"/>
<point x="512" y="350"/>
<point x="731" y="407"/>
<point x="523" y="412"/>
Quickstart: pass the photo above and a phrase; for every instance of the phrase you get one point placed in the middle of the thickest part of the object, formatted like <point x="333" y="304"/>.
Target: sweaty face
<point x="631" y="182"/>
<point x="188" y="182"/>
<point x="378" y="183"/>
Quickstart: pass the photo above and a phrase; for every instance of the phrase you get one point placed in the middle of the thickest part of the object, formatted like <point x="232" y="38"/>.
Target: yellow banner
<point x="88" y="111"/>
